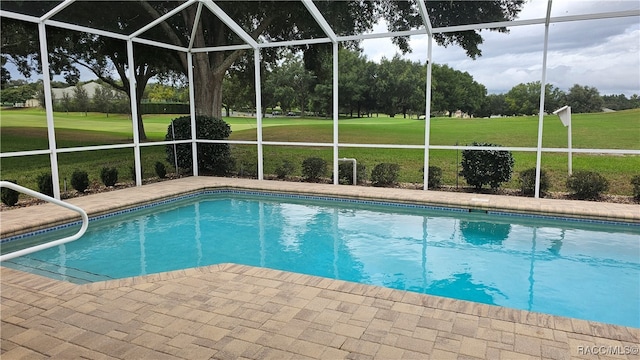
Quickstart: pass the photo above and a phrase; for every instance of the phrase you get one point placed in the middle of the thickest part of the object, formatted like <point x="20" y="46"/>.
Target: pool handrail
<point x="32" y="249"/>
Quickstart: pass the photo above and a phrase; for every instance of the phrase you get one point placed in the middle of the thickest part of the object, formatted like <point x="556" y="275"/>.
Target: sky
<point x="604" y="54"/>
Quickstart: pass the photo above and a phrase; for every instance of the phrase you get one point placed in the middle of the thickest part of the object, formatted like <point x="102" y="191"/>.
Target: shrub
<point x="132" y="172"/>
<point x="385" y="174"/>
<point x="587" y="184"/>
<point x="80" y="180"/>
<point x="486" y="167"/>
<point x="45" y="184"/>
<point x="109" y="176"/>
<point x="212" y="158"/>
<point x="247" y="167"/>
<point x="635" y="181"/>
<point x="345" y="173"/>
<point x="313" y="168"/>
<point x="286" y="168"/>
<point x="9" y="196"/>
<point x="435" y="177"/>
<point x="528" y="182"/>
<point x="161" y="170"/>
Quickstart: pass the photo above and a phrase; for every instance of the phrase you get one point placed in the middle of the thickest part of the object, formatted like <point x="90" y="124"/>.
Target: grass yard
<point x="25" y="129"/>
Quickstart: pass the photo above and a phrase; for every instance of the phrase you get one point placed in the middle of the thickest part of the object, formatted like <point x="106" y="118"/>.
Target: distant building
<point x="59" y="93"/>
<point x="89" y="87"/>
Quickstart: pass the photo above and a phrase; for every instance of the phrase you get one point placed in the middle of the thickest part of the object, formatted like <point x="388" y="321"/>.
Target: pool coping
<point x="23" y="220"/>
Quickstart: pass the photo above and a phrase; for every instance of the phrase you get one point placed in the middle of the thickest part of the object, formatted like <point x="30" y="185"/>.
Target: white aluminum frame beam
<point x="217" y="11"/>
<point x="195" y="24"/>
<point x="56" y="10"/>
<point x="320" y="20"/>
<point x="543" y="86"/>
<point x="48" y="100"/>
<point x="134" y="112"/>
<point x="162" y="18"/>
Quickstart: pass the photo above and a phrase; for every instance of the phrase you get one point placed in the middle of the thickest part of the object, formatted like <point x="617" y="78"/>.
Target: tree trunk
<point x="207" y="87"/>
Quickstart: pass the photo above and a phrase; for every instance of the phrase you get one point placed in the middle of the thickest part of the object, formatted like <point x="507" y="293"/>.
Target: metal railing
<point x="32" y="249"/>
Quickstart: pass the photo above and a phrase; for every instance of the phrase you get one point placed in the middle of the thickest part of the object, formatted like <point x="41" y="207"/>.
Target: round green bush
<point x="587" y="185"/>
<point x="161" y="169"/>
<point x="45" y="184"/>
<point x="528" y="182"/>
<point x="314" y="168"/>
<point x="109" y="176"/>
<point x="286" y="168"/>
<point x="80" y="180"/>
<point x="435" y="177"/>
<point x="635" y="182"/>
<point x="486" y="167"/>
<point x="214" y="159"/>
<point x="385" y="174"/>
<point x="9" y="196"/>
<point x="345" y="173"/>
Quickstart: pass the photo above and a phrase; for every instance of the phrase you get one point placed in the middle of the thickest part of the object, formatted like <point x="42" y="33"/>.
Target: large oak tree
<point x="264" y="20"/>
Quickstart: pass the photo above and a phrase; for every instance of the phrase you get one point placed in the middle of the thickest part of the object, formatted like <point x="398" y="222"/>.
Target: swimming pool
<point x="569" y="268"/>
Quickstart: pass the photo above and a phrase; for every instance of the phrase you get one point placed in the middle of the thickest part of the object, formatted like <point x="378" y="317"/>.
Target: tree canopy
<point x="267" y="20"/>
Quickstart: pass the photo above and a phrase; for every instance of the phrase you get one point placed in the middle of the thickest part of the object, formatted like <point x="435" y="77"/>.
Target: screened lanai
<point x="180" y="28"/>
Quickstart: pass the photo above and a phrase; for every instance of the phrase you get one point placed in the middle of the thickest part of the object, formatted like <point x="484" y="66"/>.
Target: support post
<point x="542" y="95"/>
<point x="51" y="130"/>
<point x="427" y="116"/>
<point x="192" y="111"/>
<point x="134" y="113"/>
<point x="335" y="113"/>
<point x="256" y="62"/>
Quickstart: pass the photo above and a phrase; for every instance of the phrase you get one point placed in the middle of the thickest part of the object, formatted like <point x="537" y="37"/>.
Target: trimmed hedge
<point x="587" y="185"/>
<point x="385" y="174"/>
<point x="486" y="167"/>
<point x="214" y="159"/>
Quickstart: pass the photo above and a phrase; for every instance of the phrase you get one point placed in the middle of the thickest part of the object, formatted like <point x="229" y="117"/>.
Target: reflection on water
<point x="461" y="286"/>
<point x="483" y="233"/>
<point x="533" y="265"/>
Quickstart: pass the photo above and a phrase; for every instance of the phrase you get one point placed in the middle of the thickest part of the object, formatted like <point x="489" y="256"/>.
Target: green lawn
<point x="25" y="129"/>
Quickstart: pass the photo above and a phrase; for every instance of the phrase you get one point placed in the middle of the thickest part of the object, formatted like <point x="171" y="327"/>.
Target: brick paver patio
<point x="231" y="311"/>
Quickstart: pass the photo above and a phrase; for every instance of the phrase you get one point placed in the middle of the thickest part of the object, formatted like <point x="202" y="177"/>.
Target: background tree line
<point x="394" y="86"/>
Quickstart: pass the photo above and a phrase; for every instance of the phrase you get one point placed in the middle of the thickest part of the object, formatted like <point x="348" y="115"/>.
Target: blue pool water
<point x="567" y="268"/>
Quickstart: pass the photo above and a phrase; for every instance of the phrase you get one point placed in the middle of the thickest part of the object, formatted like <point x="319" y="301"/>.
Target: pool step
<point x="42" y="268"/>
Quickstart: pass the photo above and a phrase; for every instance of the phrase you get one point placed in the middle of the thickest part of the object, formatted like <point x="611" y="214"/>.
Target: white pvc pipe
<point x="354" y="162"/>
<point x="32" y="249"/>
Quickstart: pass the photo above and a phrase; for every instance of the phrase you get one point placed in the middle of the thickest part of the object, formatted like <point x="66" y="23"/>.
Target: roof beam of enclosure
<point x="538" y="21"/>
<point x="16" y="16"/>
<point x="160" y="44"/>
<point x="216" y="10"/>
<point x="56" y="10"/>
<point x="324" y="25"/>
<point x="422" y="8"/>
<point x="88" y="30"/>
<point x="196" y="21"/>
<point x="162" y="18"/>
<point x="222" y="48"/>
<point x="295" y="42"/>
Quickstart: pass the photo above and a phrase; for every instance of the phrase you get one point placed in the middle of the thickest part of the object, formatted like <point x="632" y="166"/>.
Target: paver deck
<point x="232" y="311"/>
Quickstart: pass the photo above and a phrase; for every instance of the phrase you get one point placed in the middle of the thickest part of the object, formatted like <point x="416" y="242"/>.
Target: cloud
<point x="603" y="53"/>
